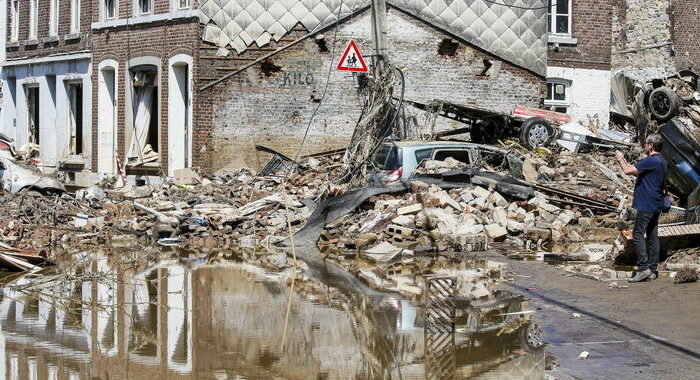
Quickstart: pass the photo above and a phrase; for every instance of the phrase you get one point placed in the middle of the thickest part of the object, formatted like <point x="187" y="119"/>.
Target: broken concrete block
<point x="442" y="220"/>
<point x="403" y="231"/>
<point x="412" y="209"/>
<point x="466" y="196"/>
<point x="496" y="232"/>
<point x="536" y="234"/>
<point x="514" y="227"/>
<point x="186" y="176"/>
<point x="365" y="240"/>
<point x="497" y="199"/>
<point x="548" y="207"/>
<point x="480" y="192"/>
<point x="404" y="221"/>
<point x="499" y="216"/>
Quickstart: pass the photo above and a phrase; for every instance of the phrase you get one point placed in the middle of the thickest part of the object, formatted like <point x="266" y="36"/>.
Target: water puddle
<point x="98" y="319"/>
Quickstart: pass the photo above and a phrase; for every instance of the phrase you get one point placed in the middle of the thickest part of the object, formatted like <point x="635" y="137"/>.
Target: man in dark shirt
<point x="648" y="201"/>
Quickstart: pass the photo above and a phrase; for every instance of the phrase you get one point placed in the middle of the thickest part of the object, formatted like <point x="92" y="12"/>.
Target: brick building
<point x="579" y="59"/>
<point x="143" y="55"/>
<point x="46" y="79"/>
<point x="468" y="52"/>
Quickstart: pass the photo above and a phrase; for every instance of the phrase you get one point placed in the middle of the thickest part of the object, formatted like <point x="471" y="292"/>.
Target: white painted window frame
<point x="182" y="59"/>
<point x="33" y="19"/>
<point x="75" y="16"/>
<point x="14" y="21"/>
<point x="105" y="13"/>
<point x="176" y="6"/>
<point x="552" y="12"/>
<point x="567" y="93"/>
<point x="53" y="17"/>
<point x="114" y="65"/>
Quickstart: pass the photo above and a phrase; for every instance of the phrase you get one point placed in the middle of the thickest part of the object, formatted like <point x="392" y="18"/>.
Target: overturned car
<point x="16" y="178"/>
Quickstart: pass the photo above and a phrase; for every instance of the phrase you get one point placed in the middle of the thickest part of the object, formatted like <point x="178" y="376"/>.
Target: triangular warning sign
<point x="352" y="59"/>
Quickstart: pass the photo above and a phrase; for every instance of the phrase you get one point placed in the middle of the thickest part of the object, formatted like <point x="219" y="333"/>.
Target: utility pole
<point x="379" y="33"/>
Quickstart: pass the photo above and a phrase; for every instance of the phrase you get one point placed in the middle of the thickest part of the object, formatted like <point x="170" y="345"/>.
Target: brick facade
<point x="45" y="45"/>
<point x="271" y="104"/>
<point x="685" y="31"/>
<point x="592" y="28"/>
<point x="162" y="39"/>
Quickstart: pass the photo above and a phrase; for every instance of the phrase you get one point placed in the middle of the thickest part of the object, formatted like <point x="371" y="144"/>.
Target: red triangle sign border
<point x="361" y="61"/>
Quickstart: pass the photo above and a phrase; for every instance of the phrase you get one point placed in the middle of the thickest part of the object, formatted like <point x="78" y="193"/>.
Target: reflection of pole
<point x="379" y="32"/>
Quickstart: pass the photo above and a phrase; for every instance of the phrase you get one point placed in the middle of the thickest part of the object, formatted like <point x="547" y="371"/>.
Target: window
<point x="461" y="155"/>
<point x="557" y="95"/>
<point x="144" y="6"/>
<point x="110" y="9"/>
<point x="53" y="18"/>
<point x="14" y="27"/>
<point x="75" y="16"/>
<point x="33" y="18"/>
<point x="559" y="17"/>
<point x="182" y="4"/>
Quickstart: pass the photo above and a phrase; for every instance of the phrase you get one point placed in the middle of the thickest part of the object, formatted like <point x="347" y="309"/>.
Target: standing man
<point x="648" y="201"/>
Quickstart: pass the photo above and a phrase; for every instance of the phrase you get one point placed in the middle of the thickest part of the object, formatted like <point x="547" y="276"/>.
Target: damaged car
<point x="397" y="160"/>
<point x="16" y="178"/>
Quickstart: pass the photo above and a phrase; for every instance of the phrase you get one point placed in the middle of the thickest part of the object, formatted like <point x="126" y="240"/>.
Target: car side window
<point x="461" y="155"/>
<point x="423" y="154"/>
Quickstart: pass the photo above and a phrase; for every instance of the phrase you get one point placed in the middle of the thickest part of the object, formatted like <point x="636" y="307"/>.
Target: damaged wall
<point x="685" y="31"/>
<point x="643" y="45"/>
<point x="273" y="107"/>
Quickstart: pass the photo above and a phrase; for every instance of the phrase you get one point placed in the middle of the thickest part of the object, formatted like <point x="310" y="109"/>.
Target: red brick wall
<point x="685" y="24"/>
<point x="162" y="40"/>
<point x="592" y="28"/>
<point x="53" y="47"/>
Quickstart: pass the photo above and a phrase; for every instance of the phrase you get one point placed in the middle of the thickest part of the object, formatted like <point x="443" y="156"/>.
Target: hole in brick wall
<point x="321" y="42"/>
<point x="487" y="65"/>
<point x="447" y="47"/>
<point x="268" y="68"/>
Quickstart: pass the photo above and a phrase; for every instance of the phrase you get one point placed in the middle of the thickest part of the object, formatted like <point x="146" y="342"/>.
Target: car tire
<point x="663" y="104"/>
<point x="531" y="337"/>
<point x="536" y="132"/>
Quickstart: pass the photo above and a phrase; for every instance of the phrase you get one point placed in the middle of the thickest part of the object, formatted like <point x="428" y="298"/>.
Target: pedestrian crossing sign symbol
<point x="352" y="59"/>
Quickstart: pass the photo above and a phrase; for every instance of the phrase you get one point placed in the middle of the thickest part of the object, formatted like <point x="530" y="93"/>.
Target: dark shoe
<point x="654" y="275"/>
<point x="641" y="276"/>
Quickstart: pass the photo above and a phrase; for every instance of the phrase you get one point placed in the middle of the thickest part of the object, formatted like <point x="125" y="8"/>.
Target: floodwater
<point x="104" y="320"/>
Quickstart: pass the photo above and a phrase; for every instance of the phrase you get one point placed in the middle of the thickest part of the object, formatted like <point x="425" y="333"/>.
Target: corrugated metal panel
<point x="514" y="34"/>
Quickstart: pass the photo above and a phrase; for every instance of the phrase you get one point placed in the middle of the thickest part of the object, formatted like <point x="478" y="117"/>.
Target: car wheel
<point x="535" y="133"/>
<point x="663" y="103"/>
<point x="531" y="337"/>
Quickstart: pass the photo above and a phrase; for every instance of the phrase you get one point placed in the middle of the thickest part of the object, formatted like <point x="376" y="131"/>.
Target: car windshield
<point x="388" y="157"/>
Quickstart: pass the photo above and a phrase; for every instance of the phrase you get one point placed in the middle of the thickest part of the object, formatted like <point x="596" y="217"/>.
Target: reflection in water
<point x="175" y="322"/>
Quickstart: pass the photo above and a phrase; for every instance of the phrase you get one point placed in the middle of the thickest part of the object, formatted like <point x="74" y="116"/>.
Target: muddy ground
<point x="646" y="331"/>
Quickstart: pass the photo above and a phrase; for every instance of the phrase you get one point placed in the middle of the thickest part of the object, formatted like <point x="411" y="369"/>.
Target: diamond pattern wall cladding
<point x="513" y="34"/>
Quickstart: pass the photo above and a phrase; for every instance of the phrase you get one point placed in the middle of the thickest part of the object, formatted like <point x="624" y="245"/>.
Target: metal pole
<point x="379" y="32"/>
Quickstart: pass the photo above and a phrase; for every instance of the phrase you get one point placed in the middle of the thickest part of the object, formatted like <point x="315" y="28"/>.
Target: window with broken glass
<point x="557" y="96"/>
<point x="559" y="17"/>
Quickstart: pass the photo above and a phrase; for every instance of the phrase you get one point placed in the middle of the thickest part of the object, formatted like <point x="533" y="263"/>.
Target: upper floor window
<point x="14" y="21"/>
<point x="53" y="18"/>
<point x="559" y="17"/>
<point x="75" y="16"/>
<point x="144" y="7"/>
<point x="557" y="95"/>
<point x="33" y="18"/>
<point x="110" y="9"/>
<point x="182" y="4"/>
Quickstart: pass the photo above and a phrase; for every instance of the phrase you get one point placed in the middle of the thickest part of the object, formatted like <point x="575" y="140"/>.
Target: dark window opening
<point x="448" y="48"/>
<point x="33" y="114"/>
<point x="268" y="68"/>
<point x="153" y="125"/>
<point x="487" y="65"/>
<point x="75" y="93"/>
<point x="423" y="154"/>
<point x="388" y="157"/>
<point x="322" y="46"/>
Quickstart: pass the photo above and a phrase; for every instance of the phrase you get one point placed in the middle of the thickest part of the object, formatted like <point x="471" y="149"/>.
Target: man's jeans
<point x="647" y="248"/>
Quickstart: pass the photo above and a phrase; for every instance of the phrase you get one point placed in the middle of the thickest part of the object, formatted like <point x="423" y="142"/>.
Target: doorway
<point x="179" y="134"/>
<point x="107" y="121"/>
<point x="75" y="102"/>
<point x="33" y="114"/>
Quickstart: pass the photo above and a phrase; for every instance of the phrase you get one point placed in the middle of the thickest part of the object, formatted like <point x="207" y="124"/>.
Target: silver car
<point x="397" y="160"/>
<point x="16" y="178"/>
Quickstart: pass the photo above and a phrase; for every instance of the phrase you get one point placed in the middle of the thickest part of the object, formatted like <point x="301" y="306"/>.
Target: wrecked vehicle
<point x="665" y="97"/>
<point x="16" y="178"/>
<point x="398" y="160"/>
<point x="533" y="127"/>
<point x="683" y="154"/>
